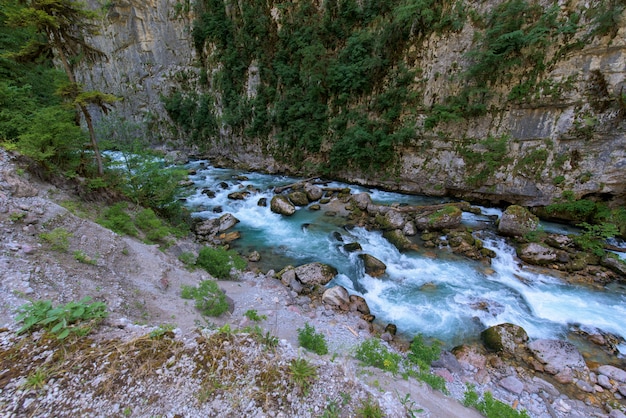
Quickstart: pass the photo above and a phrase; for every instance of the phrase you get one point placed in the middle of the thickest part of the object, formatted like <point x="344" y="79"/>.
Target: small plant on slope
<point x="312" y="340"/>
<point x="302" y="373"/>
<point x="218" y="261"/>
<point x="490" y="407"/>
<point x="210" y="299"/>
<point x="71" y="318"/>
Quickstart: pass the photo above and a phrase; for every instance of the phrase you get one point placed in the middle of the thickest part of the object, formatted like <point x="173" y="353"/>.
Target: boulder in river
<point x="373" y="266"/>
<point x="362" y="200"/>
<point x="446" y="217"/>
<point x="537" y="254"/>
<point x="313" y="192"/>
<point x="399" y="240"/>
<point x="517" y="221"/>
<point x="298" y="198"/>
<point x="281" y="205"/>
<point x="207" y="229"/>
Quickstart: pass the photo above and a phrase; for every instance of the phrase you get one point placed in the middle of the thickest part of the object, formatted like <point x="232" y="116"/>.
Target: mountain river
<point x="434" y="292"/>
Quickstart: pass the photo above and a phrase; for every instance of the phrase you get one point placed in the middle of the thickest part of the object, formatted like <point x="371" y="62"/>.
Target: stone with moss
<point x="517" y="221"/>
<point x="373" y="266"/>
<point x="399" y="240"/>
<point x="298" y="198"/>
<point x="505" y="338"/>
<point x="447" y="217"/>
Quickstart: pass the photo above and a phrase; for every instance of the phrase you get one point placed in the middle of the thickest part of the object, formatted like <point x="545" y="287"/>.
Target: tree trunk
<point x="83" y="109"/>
<point x="94" y="140"/>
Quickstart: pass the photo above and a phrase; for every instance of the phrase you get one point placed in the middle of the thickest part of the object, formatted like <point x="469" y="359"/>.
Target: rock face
<point x="554" y="136"/>
<point x="517" y="221"/>
<point x="150" y="50"/>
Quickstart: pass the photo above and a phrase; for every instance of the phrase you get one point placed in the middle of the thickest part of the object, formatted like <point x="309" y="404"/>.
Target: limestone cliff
<point x="550" y="122"/>
<point x="148" y="45"/>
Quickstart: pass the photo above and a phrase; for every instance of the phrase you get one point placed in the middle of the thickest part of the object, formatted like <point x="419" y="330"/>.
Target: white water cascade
<point x="435" y="293"/>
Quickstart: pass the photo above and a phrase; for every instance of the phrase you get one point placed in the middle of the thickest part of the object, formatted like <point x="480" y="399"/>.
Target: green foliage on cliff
<point x="328" y="80"/>
<point x="485" y="157"/>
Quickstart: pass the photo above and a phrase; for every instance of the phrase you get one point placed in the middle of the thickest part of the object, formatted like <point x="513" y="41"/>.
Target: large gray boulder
<point x="337" y="297"/>
<point x="314" y="275"/>
<point x="298" y="198"/>
<point x="362" y="200"/>
<point x="207" y="229"/>
<point x="313" y="192"/>
<point x="613" y="372"/>
<point x="517" y="221"/>
<point x="618" y="266"/>
<point x="281" y="205"/>
<point x="537" y="254"/>
<point x="373" y="266"/>
<point x="394" y="220"/>
<point x="558" y="358"/>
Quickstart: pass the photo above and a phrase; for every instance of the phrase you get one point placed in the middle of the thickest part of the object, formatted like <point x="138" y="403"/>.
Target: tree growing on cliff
<point x="59" y="28"/>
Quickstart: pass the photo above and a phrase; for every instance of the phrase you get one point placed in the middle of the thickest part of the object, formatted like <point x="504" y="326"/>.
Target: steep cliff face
<point x="544" y="113"/>
<point x="149" y="50"/>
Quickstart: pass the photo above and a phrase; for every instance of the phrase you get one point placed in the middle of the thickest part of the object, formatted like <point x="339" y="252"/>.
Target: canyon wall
<point x="567" y="134"/>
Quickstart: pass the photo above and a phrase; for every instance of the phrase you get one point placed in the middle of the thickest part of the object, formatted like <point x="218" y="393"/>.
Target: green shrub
<point x="312" y="340"/>
<point x="210" y="299"/>
<point x="72" y="318"/>
<point x="58" y="239"/>
<point x="594" y="236"/>
<point x="118" y="220"/>
<point x="148" y="222"/>
<point x="373" y="353"/>
<point x="188" y="259"/>
<point x="218" y="261"/>
<point x="490" y="407"/>
<point x="422" y="354"/>
<point x="253" y="315"/>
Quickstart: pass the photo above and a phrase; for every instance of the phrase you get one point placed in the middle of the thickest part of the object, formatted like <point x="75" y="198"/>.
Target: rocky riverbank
<point x="193" y="369"/>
